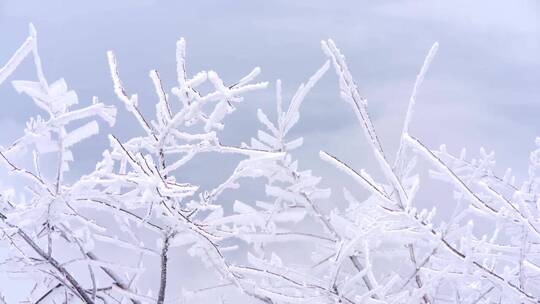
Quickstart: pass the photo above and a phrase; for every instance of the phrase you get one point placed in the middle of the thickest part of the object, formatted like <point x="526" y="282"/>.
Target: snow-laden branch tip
<point x="412" y="100"/>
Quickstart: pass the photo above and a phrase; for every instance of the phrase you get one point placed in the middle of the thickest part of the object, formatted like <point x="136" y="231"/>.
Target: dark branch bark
<point x="417" y="277"/>
<point x="117" y="280"/>
<point x="50" y="291"/>
<point x="365" y="278"/>
<point x="53" y="262"/>
<point x="163" y="280"/>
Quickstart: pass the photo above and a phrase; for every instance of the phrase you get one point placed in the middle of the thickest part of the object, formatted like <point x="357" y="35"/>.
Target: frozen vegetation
<point x="65" y="236"/>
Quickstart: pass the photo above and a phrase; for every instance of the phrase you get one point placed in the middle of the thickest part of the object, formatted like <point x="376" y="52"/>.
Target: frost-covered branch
<point x="101" y="237"/>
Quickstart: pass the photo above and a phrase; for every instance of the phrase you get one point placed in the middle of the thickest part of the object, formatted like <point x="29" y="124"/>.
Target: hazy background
<point x="483" y="88"/>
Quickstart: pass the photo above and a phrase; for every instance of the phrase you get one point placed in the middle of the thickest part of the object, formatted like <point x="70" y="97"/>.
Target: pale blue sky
<point x="482" y="90"/>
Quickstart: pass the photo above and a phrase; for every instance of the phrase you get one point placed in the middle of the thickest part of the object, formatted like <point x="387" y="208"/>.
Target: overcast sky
<point x="483" y="88"/>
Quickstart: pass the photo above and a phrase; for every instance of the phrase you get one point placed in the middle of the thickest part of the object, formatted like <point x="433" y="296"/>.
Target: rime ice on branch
<point x="67" y="237"/>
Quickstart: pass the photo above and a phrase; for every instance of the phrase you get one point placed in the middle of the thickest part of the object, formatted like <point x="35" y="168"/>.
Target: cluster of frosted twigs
<point x="71" y="238"/>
